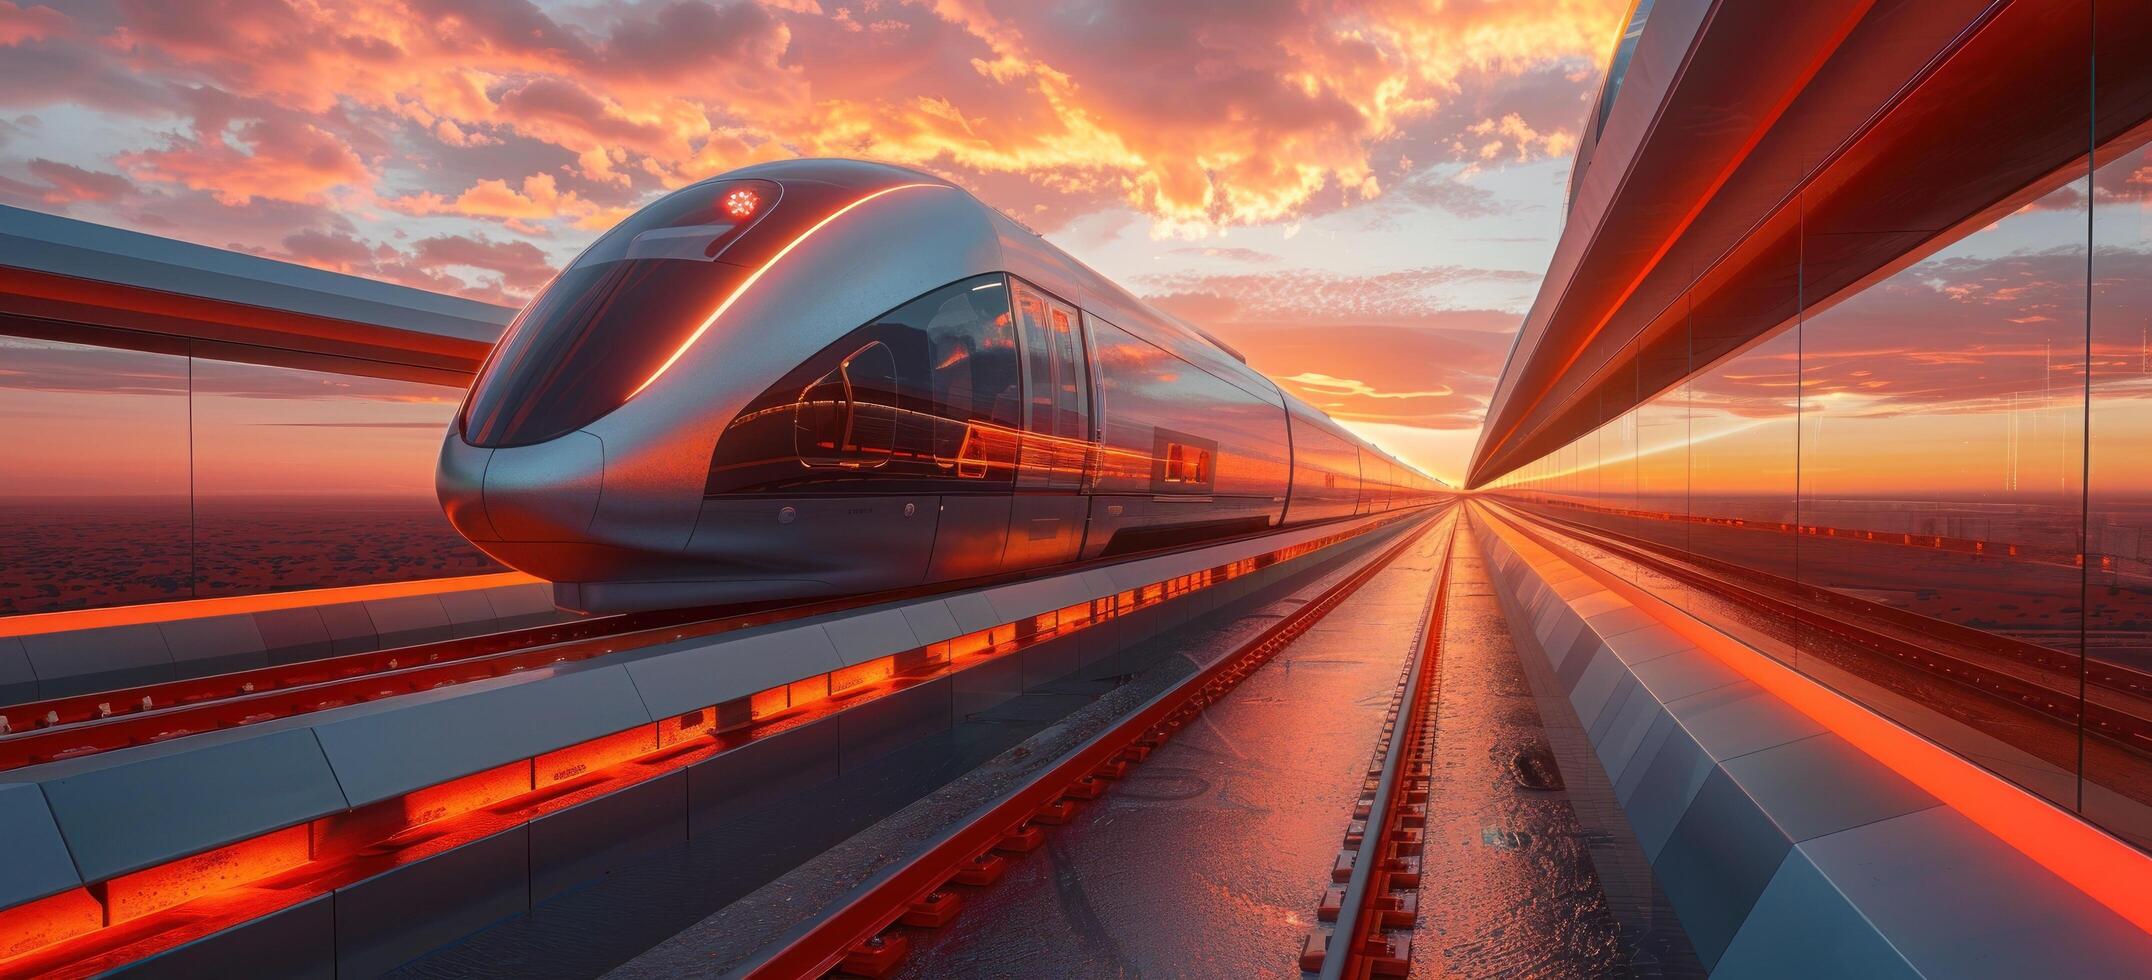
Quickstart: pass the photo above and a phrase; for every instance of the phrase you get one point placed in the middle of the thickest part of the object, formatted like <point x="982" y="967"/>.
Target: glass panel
<point x="923" y="399"/>
<point x="1742" y="439"/>
<point x="2117" y="787"/>
<point x="305" y="479"/>
<point x="93" y="476"/>
<point x="607" y="324"/>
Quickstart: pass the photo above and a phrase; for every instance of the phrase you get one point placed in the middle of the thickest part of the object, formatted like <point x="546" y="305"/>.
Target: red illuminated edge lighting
<point x="745" y="284"/>
<point x="101" y="925"/>
<point x="29" y="624"/>
<point x="2102" y="866"/>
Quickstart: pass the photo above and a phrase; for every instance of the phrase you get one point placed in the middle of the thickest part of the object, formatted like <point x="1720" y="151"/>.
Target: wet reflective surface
<point x="1514" y="890"/>
<point x="1209" y="858"/>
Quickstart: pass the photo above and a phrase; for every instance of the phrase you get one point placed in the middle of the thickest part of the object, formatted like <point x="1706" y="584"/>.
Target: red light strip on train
<point x="73" y="933"/>
<point x="751" y="279"/>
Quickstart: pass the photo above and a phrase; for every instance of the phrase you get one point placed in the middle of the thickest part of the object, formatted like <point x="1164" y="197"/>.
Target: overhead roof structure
<point x="1731" y="126"/>
<point x="150" y="289"/>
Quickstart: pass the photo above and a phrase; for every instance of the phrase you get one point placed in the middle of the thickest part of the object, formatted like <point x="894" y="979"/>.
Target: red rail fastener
<point x="877" y="956"/>
<point x="1312" y="949"/>
<point x="983" y="870"/>
<point x="934" y="910"/>
<point x="1021" y="839"/>
<point x="1333" y="900"/>
<point x="1087" y="788"/>
<point x="1055" y="814"/>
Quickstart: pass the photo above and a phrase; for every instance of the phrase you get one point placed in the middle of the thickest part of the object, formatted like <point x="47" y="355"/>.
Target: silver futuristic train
<point x="827" y="377"/>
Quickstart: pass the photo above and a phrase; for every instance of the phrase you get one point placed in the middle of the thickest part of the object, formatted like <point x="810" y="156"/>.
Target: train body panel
<point x="1326" y="467"/>
<point x="820" y="378"/>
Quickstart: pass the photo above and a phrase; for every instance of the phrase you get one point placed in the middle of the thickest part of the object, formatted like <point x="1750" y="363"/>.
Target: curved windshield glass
<point x="611" y="318"/>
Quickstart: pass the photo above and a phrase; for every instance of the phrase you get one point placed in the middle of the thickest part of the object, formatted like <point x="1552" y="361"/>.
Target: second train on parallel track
<point x="824" y="377"/>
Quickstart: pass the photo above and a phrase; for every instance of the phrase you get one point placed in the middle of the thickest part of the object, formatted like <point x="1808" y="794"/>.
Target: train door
<point x="1046" y="517"/>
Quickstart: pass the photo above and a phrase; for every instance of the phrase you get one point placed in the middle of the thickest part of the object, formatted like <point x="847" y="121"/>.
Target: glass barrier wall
<point x="130" y="476"/>
<point x="1925" y="476"/>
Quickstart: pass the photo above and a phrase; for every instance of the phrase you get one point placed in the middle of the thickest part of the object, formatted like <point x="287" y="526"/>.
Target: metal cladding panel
<point x="985" y="685"/>
<point x="727" y="668"/>
<point x="1647" y="644"/>
<point x="1740" y="718"/>
<point x="585" y="841"/>
<point x="860" y="637"/>
<point x="740" y="780"/>
<point x="83" y="661"/>
<point x="534" y="599"/>
<point x="973" y="612"/>
<point x="294" y="942"/>
<point x="1957" y="902"/>
<point x="225" y="643"/>
<point x="18" y="683"/>
<point x="123" y="811"/>
<point x="931" y="621"/>
<point x="351" y="627"/>
<point x="1683" y="673"/>
<point x="1014" y="602"/>
<point x="1050" y="661"/>
<point x="866" y="732"/>
<point x="401" y="618"/>
<point x="1618" y="712"/>
<point x="1629" y="725"/>
<point x="1822" y="785"/>
<point x="292" y="634"/>
<point x="1615" y="622"/>
<point x="467" y="607"/>
<point x="1716" y="864"/>
<point x="391" y="918"/>
<point x="37" y="863"/>
<point x="1779" y="941"/>
<point x="1596" y="686"/>
<point x="433" y="738"/>
<point x="1665" y="785"/>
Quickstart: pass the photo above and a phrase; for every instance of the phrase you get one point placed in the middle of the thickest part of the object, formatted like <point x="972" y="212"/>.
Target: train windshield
<point x="605" y="324"/>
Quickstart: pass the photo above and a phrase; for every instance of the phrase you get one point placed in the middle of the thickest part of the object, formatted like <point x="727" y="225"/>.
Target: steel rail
<point x="1353" y="941"/>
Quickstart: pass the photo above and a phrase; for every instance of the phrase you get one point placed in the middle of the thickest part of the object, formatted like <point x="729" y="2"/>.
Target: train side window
<point x="848" y="417"/>
<point x="978" y="389"/>
<point x="924" y="398"/>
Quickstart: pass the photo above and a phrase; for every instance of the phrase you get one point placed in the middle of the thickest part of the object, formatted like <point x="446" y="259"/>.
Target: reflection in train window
<point x="924" y="398"/>
<point x="848" y="417"/>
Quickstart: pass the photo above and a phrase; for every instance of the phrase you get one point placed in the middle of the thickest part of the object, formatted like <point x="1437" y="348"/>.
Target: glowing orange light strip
<point x="165" y="612"/>
<point x="757" y="275"/>
<point x="2106" y="869"/>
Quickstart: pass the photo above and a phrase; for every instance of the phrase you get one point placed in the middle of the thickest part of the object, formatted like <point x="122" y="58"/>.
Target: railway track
<point x="1373" y="912"/>
<point x="866" y="934"/>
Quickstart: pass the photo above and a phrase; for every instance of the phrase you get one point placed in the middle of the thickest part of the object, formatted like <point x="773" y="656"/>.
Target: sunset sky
<point x="1360" y="196"/>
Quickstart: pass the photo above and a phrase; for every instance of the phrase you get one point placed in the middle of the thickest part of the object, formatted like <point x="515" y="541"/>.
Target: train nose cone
<point x="460" y="482"/>
<point x="545" y="492"/>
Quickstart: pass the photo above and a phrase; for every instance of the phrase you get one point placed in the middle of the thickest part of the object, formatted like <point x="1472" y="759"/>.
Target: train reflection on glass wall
<point x="824" y="377"/>
<point x="1926" y="479"/>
